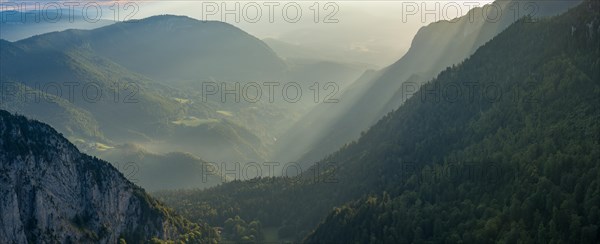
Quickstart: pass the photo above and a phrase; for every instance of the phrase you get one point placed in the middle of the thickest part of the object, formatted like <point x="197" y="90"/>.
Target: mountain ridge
<point x="434" y="47"/>
<point x="53" y="193"/>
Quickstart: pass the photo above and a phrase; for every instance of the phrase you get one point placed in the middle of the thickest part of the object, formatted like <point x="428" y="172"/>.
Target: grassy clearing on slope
<point x="192" y="121"/>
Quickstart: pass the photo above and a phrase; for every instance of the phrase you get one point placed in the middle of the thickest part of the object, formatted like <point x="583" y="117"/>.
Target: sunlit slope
<point x="434" y="47"/>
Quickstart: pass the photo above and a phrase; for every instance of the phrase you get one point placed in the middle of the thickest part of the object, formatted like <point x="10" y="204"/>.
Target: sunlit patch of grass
<point x="192" y="121"/>
<point x="102" y="147"/>
<point x="225" y="113"/>
<point x="183" y="100"/>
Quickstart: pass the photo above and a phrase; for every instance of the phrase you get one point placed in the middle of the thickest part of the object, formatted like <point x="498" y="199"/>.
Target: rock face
<point x="53" y="193"/>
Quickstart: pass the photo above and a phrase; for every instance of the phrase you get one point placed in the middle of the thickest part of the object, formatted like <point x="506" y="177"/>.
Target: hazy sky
<point x="382" y="30"/>
<point x="376" y="32"/>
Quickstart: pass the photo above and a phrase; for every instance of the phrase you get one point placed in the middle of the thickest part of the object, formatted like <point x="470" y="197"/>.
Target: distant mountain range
<point x="171" y="48"/>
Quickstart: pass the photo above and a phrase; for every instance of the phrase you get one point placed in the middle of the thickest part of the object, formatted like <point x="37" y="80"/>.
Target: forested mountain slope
<point x="475" y="166"/>
<point x="514" y="168"/>
<point x="434" y="47"/>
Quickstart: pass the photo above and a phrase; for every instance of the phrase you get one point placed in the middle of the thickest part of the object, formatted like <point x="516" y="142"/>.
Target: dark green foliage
<point x="522" y="167"/>
<point x="242" y="231"/>
<point x="545" y="143"/>
<point x="269" y="201"/>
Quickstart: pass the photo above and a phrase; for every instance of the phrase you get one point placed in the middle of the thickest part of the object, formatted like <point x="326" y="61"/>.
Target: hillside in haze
<point x="141" y="82"/>
<point x="435" y="47"/>
<point x="129" y="106"/>
<point x="523" y="166"/>
<point x="170" y="171"/>
<point x="122" y="106"/>
<point x="53" y="193"/>
<point x="187" y="50"/>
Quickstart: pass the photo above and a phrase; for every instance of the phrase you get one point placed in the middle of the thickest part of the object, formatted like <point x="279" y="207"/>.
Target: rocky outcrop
<point x="53" y="193"/>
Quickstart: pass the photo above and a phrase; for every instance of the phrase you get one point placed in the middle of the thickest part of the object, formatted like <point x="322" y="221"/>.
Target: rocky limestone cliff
<point x="53" y="193"/>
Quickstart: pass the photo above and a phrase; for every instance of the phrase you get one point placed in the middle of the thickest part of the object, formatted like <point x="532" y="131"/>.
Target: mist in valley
<point x="313" y="122"/>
